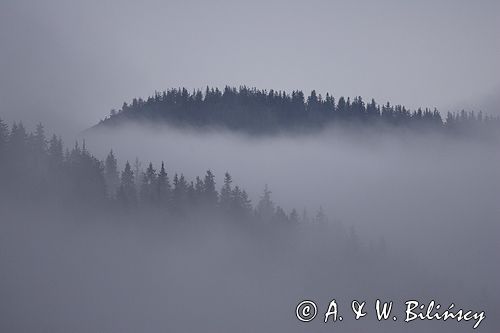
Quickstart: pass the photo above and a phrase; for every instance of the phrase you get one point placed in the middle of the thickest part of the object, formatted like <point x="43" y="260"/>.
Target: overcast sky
<point x="69" y="62"/>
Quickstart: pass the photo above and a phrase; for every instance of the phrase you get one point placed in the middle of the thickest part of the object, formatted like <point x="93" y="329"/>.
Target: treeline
<point x="36" y="169"/>
<point x="255" y="110"/>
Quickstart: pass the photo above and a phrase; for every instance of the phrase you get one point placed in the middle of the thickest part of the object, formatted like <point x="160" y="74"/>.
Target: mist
<point x="390" y="210"/>
<point x="338" y="169"/>
<point x="410" y="216"/>
<point x="429" y="192"/>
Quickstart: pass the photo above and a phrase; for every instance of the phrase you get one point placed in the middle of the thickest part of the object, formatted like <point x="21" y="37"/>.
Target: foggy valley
<point x="405" y="213"/>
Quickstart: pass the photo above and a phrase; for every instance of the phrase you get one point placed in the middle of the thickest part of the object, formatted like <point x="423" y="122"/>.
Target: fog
<point x="410" y="216"/>
<point x="401" y="180"/>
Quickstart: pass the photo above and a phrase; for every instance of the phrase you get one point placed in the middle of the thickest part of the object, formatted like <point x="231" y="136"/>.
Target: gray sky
<point x="69" y="62"/>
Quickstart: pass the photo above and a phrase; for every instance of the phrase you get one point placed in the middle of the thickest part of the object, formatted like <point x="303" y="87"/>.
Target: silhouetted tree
<point x="39" y="142"/>
<point x="127" y="193"/>
<point x="280" y="216"/>
<point x="210" y="195"/>
<point x="294" y="217"/>
<point x="4" y="135"/>
<point x="137" y="172"/>
<point x="240" y="203"/>
<point x="265" y="206"/>
<point x="111" y="175"/>
<point x="226" y="193"/>
<point x="56" y="155"/>
<point x="180" y="194"/>
<point x="320" y="217"/>
<point x="199" y="189"/>
<point x="163" y="187"/>
<point x="86" y="176"/>
<point x="148" y="186"/>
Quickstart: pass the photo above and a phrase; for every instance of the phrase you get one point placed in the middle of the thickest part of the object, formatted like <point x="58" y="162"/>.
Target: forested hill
<point x="38" y="171"/>
<point x="253" y="110"/>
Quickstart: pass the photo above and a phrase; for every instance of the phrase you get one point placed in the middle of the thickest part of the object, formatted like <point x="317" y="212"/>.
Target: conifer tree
<point x="240" y="204"/>
<point x="4" y="136"/>
<point x="246" y="203"/>
<point x="280" y="216"/>
<point x="210" y="195"/>
<point x="294" y="217"/>
<point x="265" y="207"/>
<point x="179" y="193"/>
<point x="38" y="159"/>
<point x="342" y="107"/>
<point x="191" y="194"/>
<point x="199" y="189"/>
<point x="148" y="186"/>
<point x="226" y="193"/>
<point x="55" y="152"/>
<point x="18" y="138"/>
<point x="111" y="175"/>
<point x="163" y="187"/>
<point x="137" y="172"/>
<point x="320" y="217"/>
<point x="39" y="140"/>
<point x="127" y="193"/>
<point x="18" y="149"/>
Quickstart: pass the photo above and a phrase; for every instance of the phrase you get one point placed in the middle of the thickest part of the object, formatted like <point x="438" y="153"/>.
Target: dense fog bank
<point x="92" y="273"/>
<point x="386" y="181"/>
<point x="408" y="216"/>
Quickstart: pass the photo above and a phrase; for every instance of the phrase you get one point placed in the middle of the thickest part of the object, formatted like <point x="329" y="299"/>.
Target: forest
<point x="253" y="110"/>
<point x="34" y="168"/>
<point x="249" y="166"/>
<point x="130" y="242"/>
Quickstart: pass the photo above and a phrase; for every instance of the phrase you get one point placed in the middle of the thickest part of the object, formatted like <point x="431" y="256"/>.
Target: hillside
<point x="260" y="111"/>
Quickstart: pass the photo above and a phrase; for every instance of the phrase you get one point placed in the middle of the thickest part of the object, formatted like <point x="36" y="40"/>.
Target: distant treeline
<point x="36" y="169"/>
<point x="254" y="110"/>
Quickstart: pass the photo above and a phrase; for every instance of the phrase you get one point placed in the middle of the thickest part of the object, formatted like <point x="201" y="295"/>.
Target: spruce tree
<point x="179" y="193"/>
<point x="246" y="203"/>
<point x="210" y="195"/>
<point x="111" y="175"/>
<point x="163" y="187"/>
<point x="226" y="193"/>
<point x="56" y="155"/>
<point x="199" y="189"/>
<point x="18" y="139"/>
<point x="39" y="141"/>
<point x="265" y="206"/>
<point x="294" y="217"/>
<point x="38" y="158"/>
<point x="148" y="186"/>
<point x="127" y="193"/>
<point x="280" y="216"/>
<point x="137" y="172"/>
<point x="4" y="136"/>
<point x="320" y="217"/>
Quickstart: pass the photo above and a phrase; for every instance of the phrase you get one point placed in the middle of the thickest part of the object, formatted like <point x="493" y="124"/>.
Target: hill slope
<point x="261" y="111"/>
